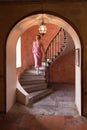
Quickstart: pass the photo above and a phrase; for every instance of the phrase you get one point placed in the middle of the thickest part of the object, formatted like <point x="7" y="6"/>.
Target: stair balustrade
<point x="53" y="50"/>
<point x="36" y="85"/>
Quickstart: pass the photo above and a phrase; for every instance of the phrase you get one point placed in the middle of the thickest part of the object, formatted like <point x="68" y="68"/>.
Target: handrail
<point x="54" y="48"/>
<point x="51" y="49"/>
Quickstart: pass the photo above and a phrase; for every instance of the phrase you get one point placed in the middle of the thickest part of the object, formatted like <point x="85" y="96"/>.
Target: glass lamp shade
<point x="42" y="29"/>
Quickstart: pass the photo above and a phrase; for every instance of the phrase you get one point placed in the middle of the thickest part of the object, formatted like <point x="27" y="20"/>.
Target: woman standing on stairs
<point x="37" y="52"/>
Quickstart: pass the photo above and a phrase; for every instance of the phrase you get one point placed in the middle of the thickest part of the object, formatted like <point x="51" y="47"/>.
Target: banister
<point x="54" y="48"/>
<point x="52" y="40"/>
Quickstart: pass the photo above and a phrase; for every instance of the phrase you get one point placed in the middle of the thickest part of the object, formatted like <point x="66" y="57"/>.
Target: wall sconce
<point x="42" y="28"/>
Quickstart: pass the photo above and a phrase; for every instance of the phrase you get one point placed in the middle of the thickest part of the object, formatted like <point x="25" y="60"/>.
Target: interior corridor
<point x="60" y="102"/>
<point x="55" y="112"/>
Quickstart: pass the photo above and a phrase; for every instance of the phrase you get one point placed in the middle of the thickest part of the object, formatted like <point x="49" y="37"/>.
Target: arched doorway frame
<point x="19" y="28"/>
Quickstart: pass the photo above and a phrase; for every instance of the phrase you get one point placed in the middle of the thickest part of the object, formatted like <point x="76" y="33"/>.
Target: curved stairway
<point x="38" y="86"/>
<point x="35" y="84"/>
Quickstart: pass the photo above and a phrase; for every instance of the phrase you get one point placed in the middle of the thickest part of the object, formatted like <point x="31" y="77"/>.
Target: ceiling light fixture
<point x="42" y="28"/>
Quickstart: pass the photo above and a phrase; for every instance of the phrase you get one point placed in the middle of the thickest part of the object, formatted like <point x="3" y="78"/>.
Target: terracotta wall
<point x="13" y="12"/>
<point x="27" y="42"/>
<point x="63" y="69"/>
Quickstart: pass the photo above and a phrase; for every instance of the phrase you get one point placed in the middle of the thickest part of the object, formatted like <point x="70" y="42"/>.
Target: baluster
<point x="63" y="37"/>
<point x="55" y="46"/>
<point x="46" y="57"/>
<point x="49" y="52"/>
<point x="52" y="49"/>
<point x="58" y="43"/>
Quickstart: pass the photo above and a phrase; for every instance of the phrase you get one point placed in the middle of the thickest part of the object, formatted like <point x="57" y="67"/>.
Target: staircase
<point x="35" y="84"/>
<point x="38" y="86"/>
<point x="60" y="45"/>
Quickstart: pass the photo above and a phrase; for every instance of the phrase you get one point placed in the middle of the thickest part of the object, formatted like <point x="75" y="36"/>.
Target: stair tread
<point x="33" y="97"/>
<point x="32" y="82"/>
<point x="35" y="89"/>
<point x="33" y="72"/>
<point x="29" y="78"/>
<point x="29" y="75"/>
<point x="33" y="85"/>
<point x="34" y="94"/>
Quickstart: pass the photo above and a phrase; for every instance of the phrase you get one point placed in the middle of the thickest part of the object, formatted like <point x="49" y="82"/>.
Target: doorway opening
<point x="23" y="25"/>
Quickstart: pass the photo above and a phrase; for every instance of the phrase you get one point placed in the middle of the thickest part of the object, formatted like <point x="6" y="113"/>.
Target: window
<point x="18" y="53"/>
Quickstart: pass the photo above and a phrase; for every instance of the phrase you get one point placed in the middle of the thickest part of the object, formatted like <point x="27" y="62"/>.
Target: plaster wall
<point x="13" y="12"/>
<point x="27" y="39"/>
<point x="63" y="69"/>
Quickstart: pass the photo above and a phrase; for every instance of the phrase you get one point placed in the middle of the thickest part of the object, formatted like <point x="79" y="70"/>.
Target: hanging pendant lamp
<point x="42" y="28"/>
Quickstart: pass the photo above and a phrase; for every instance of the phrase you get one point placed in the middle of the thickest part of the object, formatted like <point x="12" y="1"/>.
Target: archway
<point x="11" y="81"/>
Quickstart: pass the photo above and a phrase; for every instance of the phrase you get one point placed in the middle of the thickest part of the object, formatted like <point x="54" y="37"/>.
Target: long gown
<point x="37" y="54"/>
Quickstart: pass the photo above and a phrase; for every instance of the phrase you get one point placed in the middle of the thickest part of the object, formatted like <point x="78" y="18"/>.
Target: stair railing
<point x="53" y="50"/>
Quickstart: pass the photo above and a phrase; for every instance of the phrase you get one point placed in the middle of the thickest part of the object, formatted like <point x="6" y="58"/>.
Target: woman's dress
<point x="37" y="54"/>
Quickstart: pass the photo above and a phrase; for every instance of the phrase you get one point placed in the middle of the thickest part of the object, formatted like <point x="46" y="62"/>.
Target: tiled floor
<point x="60" y="102"/>
<point x="41" y="122"/>
<point x="55" y="112"/>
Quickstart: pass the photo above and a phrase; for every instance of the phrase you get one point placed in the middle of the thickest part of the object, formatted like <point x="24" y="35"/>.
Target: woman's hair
<point x="39" y="36"/>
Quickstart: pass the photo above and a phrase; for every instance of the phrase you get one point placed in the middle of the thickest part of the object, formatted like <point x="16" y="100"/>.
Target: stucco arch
<point x="20" y="27"/>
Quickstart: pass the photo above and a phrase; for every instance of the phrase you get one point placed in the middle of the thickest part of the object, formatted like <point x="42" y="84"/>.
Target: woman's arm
<point x="33" y="47"/>
<point x="43" y="49"/>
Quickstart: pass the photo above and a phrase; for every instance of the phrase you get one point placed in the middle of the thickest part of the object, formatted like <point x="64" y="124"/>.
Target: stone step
<point x="34" y="97"/>
<point x="43" y="63"/>
<point x="42" y="68"/>
<point x="32" y="77"/>
<point x="35" y="87"/>
<point x="33" y="72"/>
<point x="27" y="82"/>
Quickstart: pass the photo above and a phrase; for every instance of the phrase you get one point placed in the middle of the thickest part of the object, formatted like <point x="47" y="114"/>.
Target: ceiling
<point x="36" y="1"/>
